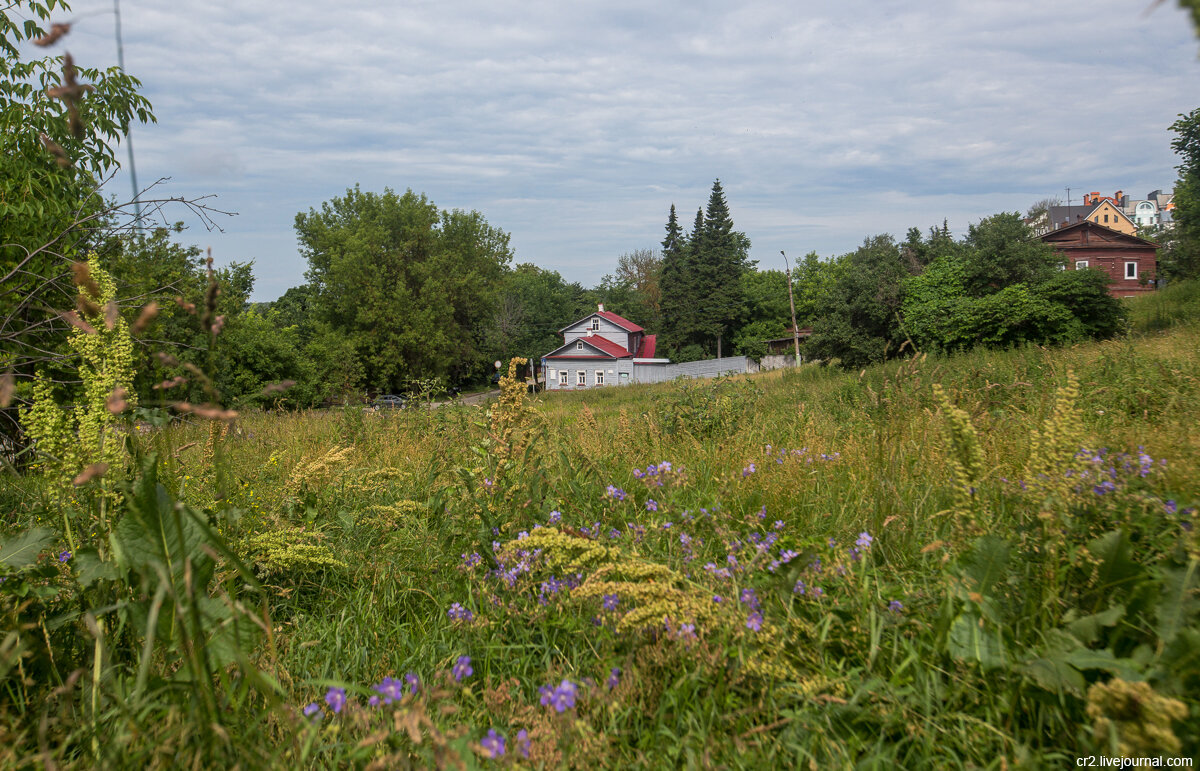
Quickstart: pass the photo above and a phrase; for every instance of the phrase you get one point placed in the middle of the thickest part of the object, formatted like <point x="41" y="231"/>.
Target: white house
<point x="602" y="349"/>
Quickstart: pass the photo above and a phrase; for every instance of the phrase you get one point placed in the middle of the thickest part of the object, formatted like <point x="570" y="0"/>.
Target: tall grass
<point x="955" y="625"/>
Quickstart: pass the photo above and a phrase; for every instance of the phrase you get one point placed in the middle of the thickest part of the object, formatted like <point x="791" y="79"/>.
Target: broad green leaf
<point x="23" y="550"/>
<point x="90" y="568"/>
<point x="1178" y="605"/>
<point x="1087" y="629"/>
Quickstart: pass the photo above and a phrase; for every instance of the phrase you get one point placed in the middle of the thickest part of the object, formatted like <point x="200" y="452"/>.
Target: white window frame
<point x="581" y="378"/>
<point x="596" y="325"/>
<point x="563" y="377"/>
<point x="599" y="377"/>
<point x="1080" y="264"/>
<point x="1133" y="265"/>
<point x="579" y="345"/>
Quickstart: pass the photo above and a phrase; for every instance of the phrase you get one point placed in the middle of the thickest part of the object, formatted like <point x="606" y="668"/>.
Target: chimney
<point x="589" y="333"/>
<point x="601" y="307"/>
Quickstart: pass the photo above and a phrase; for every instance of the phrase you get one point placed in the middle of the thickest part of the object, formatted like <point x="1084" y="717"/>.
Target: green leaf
<point x="1085" y="658"/>
<point x="1117" y="568"/>
<point x="1087" y="629"/>
<point x="90" y="568"/>
<point x="1178" y="605"/>
<point x="985" y="564"/>
<point x="972" y="638"/>
<point x="22" y="551"/>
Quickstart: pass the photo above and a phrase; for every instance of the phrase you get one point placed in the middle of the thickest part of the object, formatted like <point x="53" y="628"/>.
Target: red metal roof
<point x="624" y="323"/>
<point x="646" y="350"/>
<point x="602" y="344"/>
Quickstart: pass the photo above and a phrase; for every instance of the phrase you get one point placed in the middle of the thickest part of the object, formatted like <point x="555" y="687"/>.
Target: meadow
<point x="973" y="561"/>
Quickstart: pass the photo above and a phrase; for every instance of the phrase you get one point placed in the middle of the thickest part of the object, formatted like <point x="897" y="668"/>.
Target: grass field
<point x="978" y="561"/>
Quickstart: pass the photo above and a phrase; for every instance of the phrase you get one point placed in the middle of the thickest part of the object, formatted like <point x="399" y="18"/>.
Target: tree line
<point x="399" y="291"/>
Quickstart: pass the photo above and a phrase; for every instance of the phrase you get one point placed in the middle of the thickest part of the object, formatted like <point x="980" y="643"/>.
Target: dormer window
<point x="596" y="324"/>
<point x="579" y="346"/>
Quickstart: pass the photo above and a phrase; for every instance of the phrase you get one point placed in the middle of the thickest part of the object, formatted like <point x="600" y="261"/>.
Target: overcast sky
<point x="575" y="125"/>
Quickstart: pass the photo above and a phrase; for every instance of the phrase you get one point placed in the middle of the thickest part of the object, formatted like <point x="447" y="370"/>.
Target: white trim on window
<point x="596" y="324"/>
<point x="579" y="345"/>
<point x="599" y="377"/>
<point x="581" y="378"/>
<point x="1131" y="270"/>
<point x="1080" y="264"/>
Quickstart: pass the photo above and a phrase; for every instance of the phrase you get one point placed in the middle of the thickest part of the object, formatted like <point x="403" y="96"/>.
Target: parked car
<point x="389" y="402"/>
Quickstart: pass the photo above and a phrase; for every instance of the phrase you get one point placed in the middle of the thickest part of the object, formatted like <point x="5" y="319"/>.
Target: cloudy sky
<point x="575" y="125"/>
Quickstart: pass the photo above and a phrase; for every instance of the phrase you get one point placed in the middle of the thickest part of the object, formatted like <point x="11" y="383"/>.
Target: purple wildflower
<point x="563" y="697"/>
<point x="651" y="505"/>
<point x="799" y="588"/>
<point x="818" y="592"/>
<point x="523" y="743"/>
<point x="687" y="631"/>
<point x="895" y="606"/>
<point x="754" y="621"/>
<point x="748" y="471"/>
<point x="779" y="524"/>
<point x="610" y="601"/>
<point x="493" y="744"/>
<point x="413" y="681"/>
<point x="864" y="540"/>
<point x="749" y="597"/>
<point x="313" y="709"/>
<point x="458" y="613"/>
<point x="1170" y="506"/>
<point x="614" y="678"/>
<point x="336" y="699"/>
<point x="462" y="668"/>
<point x="389" y="689"/>
<point x="63" y="557"/>
<point x="555" y="517"/>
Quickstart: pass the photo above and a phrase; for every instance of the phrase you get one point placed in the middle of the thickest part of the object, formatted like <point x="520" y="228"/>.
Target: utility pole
<point x="792" y="302"/>
<point x="137" y="205"/>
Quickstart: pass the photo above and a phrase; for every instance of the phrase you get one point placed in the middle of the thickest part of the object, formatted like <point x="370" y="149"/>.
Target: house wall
<point x="1112" y="261"/>
<point x="607" y="329"/>
<point x="612" y="372"/>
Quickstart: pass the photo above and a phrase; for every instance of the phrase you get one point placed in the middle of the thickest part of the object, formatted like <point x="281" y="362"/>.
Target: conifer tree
<point x="721" y="261"/>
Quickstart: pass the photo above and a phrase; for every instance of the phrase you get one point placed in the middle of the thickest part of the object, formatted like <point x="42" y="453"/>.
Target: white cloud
<point x="575" y="125"/>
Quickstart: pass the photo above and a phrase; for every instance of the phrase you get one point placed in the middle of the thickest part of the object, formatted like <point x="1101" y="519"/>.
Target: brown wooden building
<point x="1130" y="262"/>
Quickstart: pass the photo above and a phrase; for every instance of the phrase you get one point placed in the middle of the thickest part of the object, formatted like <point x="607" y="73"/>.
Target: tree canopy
<point x="411" y="287"/>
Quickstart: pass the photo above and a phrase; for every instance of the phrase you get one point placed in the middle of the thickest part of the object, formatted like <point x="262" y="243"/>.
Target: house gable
<point x="585" y="347"/>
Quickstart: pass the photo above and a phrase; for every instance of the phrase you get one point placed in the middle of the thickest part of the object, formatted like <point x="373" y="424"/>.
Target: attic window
<point x="579" y="346"/>
<point x="596" y="324"/>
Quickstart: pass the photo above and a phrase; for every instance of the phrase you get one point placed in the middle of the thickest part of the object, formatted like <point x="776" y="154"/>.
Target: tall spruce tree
<point x="721" y="259"/>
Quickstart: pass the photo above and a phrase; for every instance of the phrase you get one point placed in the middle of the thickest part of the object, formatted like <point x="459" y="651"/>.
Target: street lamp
<point x="792" y="303"/>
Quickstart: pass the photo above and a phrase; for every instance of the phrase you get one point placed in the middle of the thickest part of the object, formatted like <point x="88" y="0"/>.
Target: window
<point x="1080" y="264"/>
<point x="599" y="377"/>
<point x="596" y="324"/>
<point x="579" y="346"/>
<point x="1131" y="270"/>
<point x="581" y="378"/>
<point x="1105" y="219"/>
<point x="562" y="377"/>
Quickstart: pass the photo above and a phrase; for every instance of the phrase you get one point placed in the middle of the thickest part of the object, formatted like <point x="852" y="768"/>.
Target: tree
<point x="411" y="287"/>
<point x="721" y="260"/>
<point x="59" y="126"/>
<point x="1001" y="252"/>
<point x="859" y="324"/>
<point x="676" y="284"/>
<point x="999" y="287"/>
<point x="1181" y="256"/>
